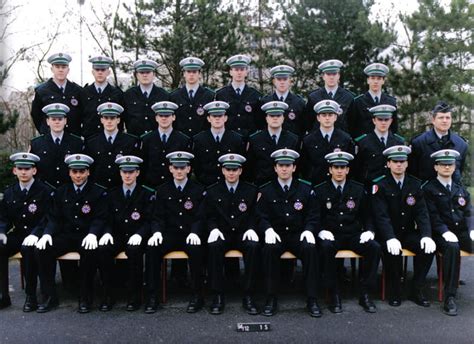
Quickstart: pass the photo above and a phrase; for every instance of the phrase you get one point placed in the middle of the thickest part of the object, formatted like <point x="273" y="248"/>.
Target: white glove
<point x="271" y="236"/>
<point x="3" y="237"/>
<point x="155" y="239"/>
<point x="250" y="235"/>
<point x="450" y="237"/>
<point x="214" y="235"/>
<point x="471" y="234"/>
<point x="193" y="239"/>
<point x="30" y="240"/>
<point x="90" y="242"/>
<point x="366" y="236"/>
<point x="135" y="240"/>
<point x="428" y="245"/>
<point x="41" y="244"/>
<point x="308" y="236"/>
<point x="394" y="247"/>
<point x="326" y="235"/>
<point x="106" y="239"/>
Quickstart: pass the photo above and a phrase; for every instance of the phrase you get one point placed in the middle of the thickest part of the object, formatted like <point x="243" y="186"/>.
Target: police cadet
<point x="359" y="118"/>
<point x="402" y="221"/>
<point x="231" y="223"/>
<point x="450" y="211"/>
<point x="191" y="98"/>
<point x="370" y="162"/>
<point x="323" y="140"/>
<point x="78" y="215"/>
<point x="158" y="143"/>
<point x="331" y="73"/>
<point x="58" y="89"/>
<point x="138" y="100"/>
<point x="177" y="225"/>
<point x="439" y="137"/>
<point x="22" y="218"/>
<point x="108" y="145"/>
<point x="263" y="143"/>
<point x="130" y="206"/>
<point x="344" y="224"/>
<point x="287" y="213"/>
<point x="98" y="92"/>
<point x="244" y="112"/>
<point x="55" y="145"/>
<point x="210" y="144"/>
<point x="281" y="78"/>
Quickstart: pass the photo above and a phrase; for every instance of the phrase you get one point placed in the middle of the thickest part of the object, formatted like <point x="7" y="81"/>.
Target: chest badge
<point x="350" y="204"/>
<point x="86" y="209"/>
<point x="135" y="215"/>
<point x="298" y="205"/>
<point x="411" y="200"/>
<point x="291" y="115"/>
<point x="32" y="208"/>
<point x="248" y="108"/>
<point x="243" y="207"/>
<point x="188" y="205"/>
<point x="200" y="111"/>
<point x="74" y="102"/>
<point x="462" y="201"/>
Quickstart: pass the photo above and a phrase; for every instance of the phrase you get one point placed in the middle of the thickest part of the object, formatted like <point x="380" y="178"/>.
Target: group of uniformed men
<point x="147" y="172"/>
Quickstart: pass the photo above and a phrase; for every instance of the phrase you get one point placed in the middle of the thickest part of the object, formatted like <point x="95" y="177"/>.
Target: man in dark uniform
<point x="22" y="218"/>
<point x="58" y="89"/>
<point x="177" y="225"/>
<point x="191" y="98"/>
<point x="323" y="140"/>
<point x="261" y="144"/>
<point x="401" y="220"/>
<point x="231" y="223"/>
<point x="210" y="144"/>
<point x="108" y="145"/>
<point x="344" y="224"/>
<point x="359" y="119"/>
<point x="130" y="206"/>
<point x="139" y="117"/>
<point x="370" y="163"/>
<point x="330" y="73"/>
<point x="158" y="143"/>
<point x="294" y="115"/>
<point x="55" y="145"/>
<point x="244" y="112"/>
<point x="286" y="208"/>
<point x="99" y="92"/>
<point x="450" y="211"/>
<point x="78" y="215"/>
<point x="439" y="137"/>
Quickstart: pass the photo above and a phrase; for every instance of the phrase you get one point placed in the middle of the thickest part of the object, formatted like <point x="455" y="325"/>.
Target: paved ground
<point x="408" y="323"/>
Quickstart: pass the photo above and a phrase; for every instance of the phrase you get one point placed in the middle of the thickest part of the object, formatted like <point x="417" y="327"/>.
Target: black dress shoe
<point x="49" y="304"/>
<point x="5" y="301"/>
<point x="313" y="308"/>
<point x="394" y="302"/>
<point x="450" y="307"/>
<point x="106" y="305"/>
<point x="271" y="307"/>
<point x="84" y="307"/>
<point x="151" y="305"/>
<point x="335" y="306"/>
<point x="249" y="305"/>
<point x="418" y="298"/>
<point x="367" y="304"/>
<point x="195" y="304"/>
<point x="217" y="306"/>
<point x="30" y="304"/>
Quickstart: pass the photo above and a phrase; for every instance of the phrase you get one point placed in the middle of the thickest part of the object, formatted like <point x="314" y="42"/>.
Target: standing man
<point x="450" y="209"/>
<point x="58" y="89"/>
<point x="191" y="98"/>
<point x="402" y="221"/>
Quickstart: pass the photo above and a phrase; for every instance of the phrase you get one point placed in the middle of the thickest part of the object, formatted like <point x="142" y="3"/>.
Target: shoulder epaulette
<point x="145" y="134"/>
<point x="376" y="180"/>
<point x="356" y="182"/>
<point x="148" y="188"/>
<point x="466" y="140"/>
<point x="101" y="186"/>
<point x="40" y="85"/>
<point x="131" y="135"/>
<point x="86" y="84"/>
<point x="210" y="90"/>
<point x="249" y="184"/>
<point x="182" y="134"/>
<point x="321" y="184"/>
<point x="422" y="185"/>
<point x="352" y="93"/>
<point x="415" y="178"/>
<point x="37" y="137"/>
<point x="255" y="133"/>
<point x="400" y="137"/>
<point x="263" y="185"/>
<point x="221" y="88"/>
<point x="50" y="185"/>
<point x="213" y="185"/>
<point x="236" y="132"/>
<point x="77" y="136"/>
<point x="357" y="139"/>
<point x="304" y="181"/>
<point x="357" y="97"/>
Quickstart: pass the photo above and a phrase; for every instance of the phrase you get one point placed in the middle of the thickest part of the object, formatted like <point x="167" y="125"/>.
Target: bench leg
<point x="439" y="263"/>
<point x="163" y="280"/>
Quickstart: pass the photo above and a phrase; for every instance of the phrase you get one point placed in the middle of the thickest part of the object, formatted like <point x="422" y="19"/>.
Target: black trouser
<point x="370" y="251"/>
<point x="216" y="258"/>
<point x="308" y="254"/>
<point x="451" y="259"/>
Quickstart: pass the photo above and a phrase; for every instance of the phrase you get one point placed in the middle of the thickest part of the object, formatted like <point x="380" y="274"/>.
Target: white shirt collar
<point x="324" y="133"/>
<point x="283" y="183"/>
<point x="167" y="133"/>
<point x="131" y="188"/>
<point x="401" y="180"/>
<point x="194" y="88"/>
<point x="234" y="185"/>
<point x="80" y="187"/>
<point x="338" y="184"/>
<point x="373" y="95"/>
<point x="102" y="85"/>
<point x="445" y="181"/>
<point x="182" y="183"/>
<point x="147" y="88"/>
<point x="236" y="86"/>
<point x="439" y="134"/>
<point x="379" y="135"/>
<point x="60" y="136"/>
<point x="333" y="90"/>
<point x="284" y="95"/>
<point x="277" y="133"/>
<point x="63" y="85"/>
<point x="26" y="186"/>
<point x="114" y="135"/>
<point x="220" y="133"/>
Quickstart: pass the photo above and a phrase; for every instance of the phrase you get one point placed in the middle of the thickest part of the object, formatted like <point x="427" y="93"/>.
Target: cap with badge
<point x="383" y="111"/>
<point x="445" y="156"/>
<point x="441" y="106"/>
<point x="56" y="110"/>
<point x="285" y="156"/>
<point x="179" y="158"/>
<point x="232" y="160"/>
<point x="282" y="71"/>
<point x="216" y="108"/>
<point x="327" y="106"/>
<point x="330" y="66"/>
<point x="191" y="63"/>
<point x="145" y="65"/>
<point x="339" y="158"/>
<point x="100" y="62"/>
<point x="164" y="108"/>
<point x="78" y="161"/>
<point x="376" y="69"/>
<point x="60" y="59"/>
<point x="129" y="162"/>
<point x="24" y="159"/>
<point x="238" y="61"/>
<point x="109" y="109"/>
<point x="397" y="153"/>
<point x="274" y="108"/>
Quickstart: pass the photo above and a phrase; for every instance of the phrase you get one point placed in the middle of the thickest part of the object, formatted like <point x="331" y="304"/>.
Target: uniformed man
<point x="294" y="115"/>
<point x="55" y="145"/>
<point x="177" y="225"/>
<point x="22" y="218"/>
<point x="323" y="140"/>
<point x="402" y="221"/>
<point x="232" y="224"/>
<point x="359" y="118"/>
<point x="330" y="73"/>
<point x="244" y="111"/>
<point x="439" y="137"/>
<point x="261" y="144"/>
<point x="370" y="162"/>
<point x="78" y="215"/>
<point x="58" y="89"/>
<point x="108" y="145"/>
<point x="139" y="117"/>
<point x="287" y="213"/>
<point x="345" y="224"/>
<point x="450" y="211"/>
<point x="191" y="98"/>
<point x="130" y="207"/>
<point x="210" y="144"/>
<point x="98" y="92"/>
<point x="158" y="143"/>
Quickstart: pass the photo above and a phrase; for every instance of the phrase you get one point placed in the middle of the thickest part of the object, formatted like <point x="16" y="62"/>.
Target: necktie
<point x="218" y="140"/>
<point x="339" y="191"/>
<point x="274" y="138"/>
<point x="78" y="191"/>
<point x="110" y="139"/>
<point x="57" y="141"/>
<point x="237" y="90"/>
<point x="191" y="95"/>
<point x="330" y="95"/>
<point x="99" y="91"/>
<point x="61" y="89"/>
<point x="399" y="185"/>
<point x="444" y="139"/>
<point x="286" y="188"/>
<point x="281" y="98"/>
<point x="376" y="100"/>
<point x="448" y="187"/>
<point x="382" y="139"/>
<point x="179" y="188"/>
<point x="231" y="190"/>
<point x="24" y="192"/>
<point x="326" y="137"/>
<point x="128" y="194"/>
<point x="163" y="138"/>
<point x="145" y="94"/>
